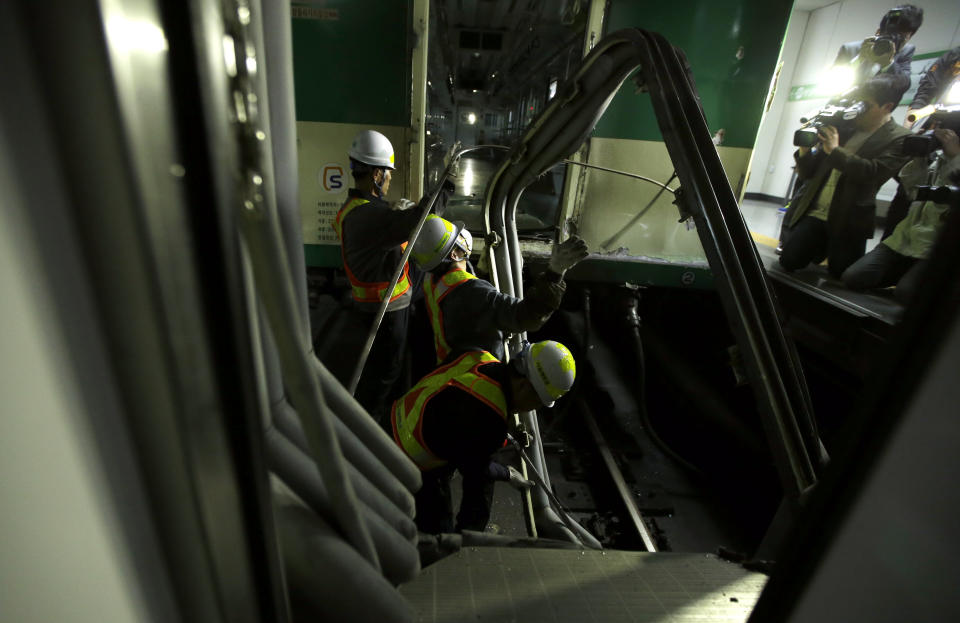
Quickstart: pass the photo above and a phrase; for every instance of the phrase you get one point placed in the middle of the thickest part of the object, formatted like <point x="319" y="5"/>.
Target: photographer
<point x="898" y="259"/>
<point x="934" y="83"/>
<point x="887" y="51"/>
<point x="832" y="214"/>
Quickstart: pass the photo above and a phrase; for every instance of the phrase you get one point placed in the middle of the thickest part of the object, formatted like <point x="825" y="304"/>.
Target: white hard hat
<point x="465" y="240"/>
<point x="550" y="368"/>
<point x="372" y="148"/>
<point x="435" y="241"/>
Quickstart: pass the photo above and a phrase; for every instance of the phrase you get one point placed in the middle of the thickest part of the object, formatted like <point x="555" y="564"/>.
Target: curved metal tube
<point x="751" y="311"/>
<point x="268" y="260"/>
<point x="355" y="418"/>
<point x="372" y="335"/>
<point x="619" y="172"/>
<point x="556" y="516"/>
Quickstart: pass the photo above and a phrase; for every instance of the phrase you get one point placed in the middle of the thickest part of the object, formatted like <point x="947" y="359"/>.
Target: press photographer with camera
<point x="887" y="51"/>
<point x="832" y="214"/>
<point x="937" y="88"/>
<point x="899" y="258"/>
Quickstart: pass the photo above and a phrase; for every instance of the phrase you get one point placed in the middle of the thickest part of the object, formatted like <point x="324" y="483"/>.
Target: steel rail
<point x="633" y="511"/>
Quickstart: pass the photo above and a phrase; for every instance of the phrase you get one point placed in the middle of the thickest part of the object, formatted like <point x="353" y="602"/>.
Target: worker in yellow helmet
<point x="457" y="416"/>
<point x="372" y="236"/>
<point x="468" y="313"/>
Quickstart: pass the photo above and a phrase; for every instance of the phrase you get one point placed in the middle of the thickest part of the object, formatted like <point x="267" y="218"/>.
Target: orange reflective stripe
<point x="464" y="373"/>
<point x="433" y="293"/>
<point x="365" y="292"/>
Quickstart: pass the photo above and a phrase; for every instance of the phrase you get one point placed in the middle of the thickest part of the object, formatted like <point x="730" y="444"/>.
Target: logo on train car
<point x="332" y="178"/>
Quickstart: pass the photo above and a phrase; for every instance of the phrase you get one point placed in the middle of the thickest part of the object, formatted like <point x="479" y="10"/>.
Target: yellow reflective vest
<point x="367" y="292"/>
<point x="434" y="291"/>
<point x="464" y="373"/>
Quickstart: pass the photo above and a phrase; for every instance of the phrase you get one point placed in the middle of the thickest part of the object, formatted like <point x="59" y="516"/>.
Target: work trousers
<point x="882" y="268"/>
<point x="809" y="242"/>
<point x="378" y="386"/>
<point x="435" y="502"/>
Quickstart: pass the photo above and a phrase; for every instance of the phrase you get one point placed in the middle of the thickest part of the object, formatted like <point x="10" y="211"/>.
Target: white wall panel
<point x="822" y="34"/>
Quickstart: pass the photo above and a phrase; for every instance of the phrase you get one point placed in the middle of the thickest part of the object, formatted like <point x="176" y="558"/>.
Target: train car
<point x="180" y="437"/>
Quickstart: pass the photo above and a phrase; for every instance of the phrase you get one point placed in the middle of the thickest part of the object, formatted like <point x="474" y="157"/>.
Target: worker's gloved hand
<point x="517" y="481"/>
<point x="402" y="204"/>
<point x="567" y="254"/>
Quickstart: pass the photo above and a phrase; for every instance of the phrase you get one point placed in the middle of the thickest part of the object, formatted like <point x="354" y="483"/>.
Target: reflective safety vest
<point x="363" y="291"/>
<point x="463" y="373"/>
<point x="434" y="292"/>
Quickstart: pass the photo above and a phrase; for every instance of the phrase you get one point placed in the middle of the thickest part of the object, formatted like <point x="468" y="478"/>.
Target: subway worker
<point x="899" y="259"/>
<point x="457" y="416"/>
<point x="832" y="215"/>
<point x="468" y="313"/>
<point x="373" y="235"/>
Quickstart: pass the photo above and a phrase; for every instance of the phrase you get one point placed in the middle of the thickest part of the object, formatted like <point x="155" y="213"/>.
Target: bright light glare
<point x="471" y="118"/>
<point x="130" y="35"/>
<point x="953" y="95"/>
<point x="230" y="56"/>
<point x="466" y="178"/>
<point x="836" y="80"/>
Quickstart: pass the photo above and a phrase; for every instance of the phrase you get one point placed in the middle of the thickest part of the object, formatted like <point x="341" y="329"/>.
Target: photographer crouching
<point x="832" y="214"/>
<point x="899" y="259"/>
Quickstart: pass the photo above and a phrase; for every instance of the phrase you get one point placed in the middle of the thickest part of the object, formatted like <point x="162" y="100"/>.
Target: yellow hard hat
<point x="550" y="368"/>
<point x="435" y="242"/>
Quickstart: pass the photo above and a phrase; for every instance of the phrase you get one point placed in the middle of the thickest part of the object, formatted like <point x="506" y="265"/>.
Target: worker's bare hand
<point x="949" y="140"/>
<point x="829" y="138"/>
<point x="568" y="254"/>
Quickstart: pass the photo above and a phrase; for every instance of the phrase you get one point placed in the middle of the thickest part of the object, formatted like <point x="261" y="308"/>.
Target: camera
<point x="842" y="115"/>
<point x="949" y="195"/>
<point x="925" y="142"/>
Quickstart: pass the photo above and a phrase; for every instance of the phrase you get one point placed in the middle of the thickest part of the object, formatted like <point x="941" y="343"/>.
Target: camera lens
<point x="883" y="46"/>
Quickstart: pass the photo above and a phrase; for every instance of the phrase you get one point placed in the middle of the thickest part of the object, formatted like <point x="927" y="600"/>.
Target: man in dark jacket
<point x="887" y="51"/>
<point x="372" y="238"/>
<point x="832" y="215"/>
<point x="468" y="313"/>
<point x="457" y="416"/>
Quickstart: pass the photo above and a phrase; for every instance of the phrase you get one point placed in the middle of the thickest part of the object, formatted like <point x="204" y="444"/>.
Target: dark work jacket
<point x="937" y="78"/>
<point x="853" y="207"/>
<point x="372" y="235"/>
<point x="461" y="429"/>
<point x="476" y="314"/>
<point x="900" y="64"/>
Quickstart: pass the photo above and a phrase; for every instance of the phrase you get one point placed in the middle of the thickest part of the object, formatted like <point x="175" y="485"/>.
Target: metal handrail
<point x="704" y="194"/>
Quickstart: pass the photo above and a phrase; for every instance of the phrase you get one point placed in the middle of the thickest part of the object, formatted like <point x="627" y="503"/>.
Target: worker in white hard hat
<point x="372" y="238"/>
<point x="468" y="313"/>
<point x="457" y="416"/>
